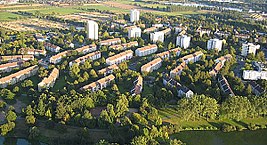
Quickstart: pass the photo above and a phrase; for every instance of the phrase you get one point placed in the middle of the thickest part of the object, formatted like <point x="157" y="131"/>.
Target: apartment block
<point x="18" y="76"/>
<point x="219" y="64"/>
<point x="249" y="48"/>
<point x="8" y="67"/>
<point x="157" y="36"/>
<point x="58" y="57"/>
<point x="134" y="15"/>
<point x="192" y="57"/>
<point x="214" y="44"/>
<point x="167" y="54"/>
<point x="110" y="41"/>
<point x="124" y="45"/>
<point x="100" y="84"/>
<point x="134" y="32"/>
<point x="150" y="29"/>
<point x="183" y="41"/>
<point x="146" y="50"/>
<point x="35" y="52"/>
<point x="92" y="56"/>
<point x="138" y="86"/>
<point x="51" y="47"/>
<point x="152" y="65"/>
<point x="224" y="85"/>
<point x="86" y="49"/>
<point x="182" y="91"/>
<point x="14" y="58"/>
<point x="167" y="31"/>
<point x="108" y="70"/>
<point x="48" y="82"/>
<point x="92" y="30"/>
<point x="119" y="58"/>
<point x="254" y="75"/>
<point x="178" y="70"/>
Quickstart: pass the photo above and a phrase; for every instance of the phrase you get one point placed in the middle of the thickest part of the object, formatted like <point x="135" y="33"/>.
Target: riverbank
<point x="246" y="137"/>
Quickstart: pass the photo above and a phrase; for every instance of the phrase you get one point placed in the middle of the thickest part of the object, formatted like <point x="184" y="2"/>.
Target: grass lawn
<point x="258" y="137"/>
<point x="60" y="83"/>
<point x="57" y="10"/>
<point x="169" y="115"/>
<point x="5" y="16"/>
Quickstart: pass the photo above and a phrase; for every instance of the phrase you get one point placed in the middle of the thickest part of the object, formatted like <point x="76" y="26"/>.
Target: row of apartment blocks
<point x="159" y="36"/>
<point x="8" y="67"/>
<point x="146" y="50"/>
<point x="91" y="56"/>
<point x="220" y="63"/>
<point x="48" y="82"/>
<point x="108" y="70"/>
<point x="119" y="58"/>
<point x="167" y="54"/>
<point x="35" y="52"/>
<point x="124" y="45"/>
<point x="84" y="50"/>
<point x="138" y="86"/>
<point x="100" y="84"/>
<point x="51" y="47"/>
<point x="254" y="75"/>
<point x="18" y="76"/>
<point x="110" y="42"/>
<point x="14" y="58"/>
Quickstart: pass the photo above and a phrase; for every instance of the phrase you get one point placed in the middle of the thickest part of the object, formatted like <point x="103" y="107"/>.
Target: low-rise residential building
<point x="178" y="70"/>
<point x="35" y="52"/>
<point x="134" y="32"/>
<point x="146" y="50"/>
<point x="100" y="84"/>
<point x="167" y="31"/>
<point x="256" y="88"/>
<point x="48" y="82"/>
<point x="150" y="29"/>
<point x="224" y="85"/>
<point x="39" y="37"/>
<point x="203" y="31"/>
<point x="192" y="57"/>
<point x="124" y="45"/>
<point x="92" y="56"/>
<point x="182" y="91"/>
<point x="152" y="65"/>
<point x="242" y="36"/>
<point x="58" y="57"/>
<point x="86" y="49"/>
<point x="119" y="58"/>
<point x="214" y="44"/>
<point x="254" y="75"/>
<point x="179" y="29"/>
<point x="183" y="41"/>
<point x="51" y="47"/>
<point x="157" y="36"/>
<point x="167" y="54"/>
<point x="18" y="76"/>
<point x="249" y="48"/>
<point x="138" y="86"/>
<point x="110" y="41"/>
<point x="108" y="70"/>
<point x="220" y="63"/>
<point x="14" y="58"/>
<point x="8" y="67"/>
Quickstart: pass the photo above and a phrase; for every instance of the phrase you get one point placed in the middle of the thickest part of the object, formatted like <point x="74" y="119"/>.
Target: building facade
<point x="100" y="84"/>
<point x="92" y="30"/>
<point x="152" y="65"/>
<point x="249" y="48"/>
<point x="157" y="36"/>
<point x="92" y="56"/>
<point x="48" y="82"/>
<point x="214" y="44"/>
<point x="183" y="41"/>
<point x="134" y="16"/>
<point x="119" y="58"/>
<point x="134" y="32"/>
<point x="146" y="50"/>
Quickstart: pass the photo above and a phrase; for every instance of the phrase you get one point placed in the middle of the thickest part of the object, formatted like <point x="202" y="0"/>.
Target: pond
<point x="17" y="141"/>
<point x="247" y="137"/>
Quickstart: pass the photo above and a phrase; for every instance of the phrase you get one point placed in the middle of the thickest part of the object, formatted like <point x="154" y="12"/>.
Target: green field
<point x="257" y="137"/>
<point x="5" y="16"/>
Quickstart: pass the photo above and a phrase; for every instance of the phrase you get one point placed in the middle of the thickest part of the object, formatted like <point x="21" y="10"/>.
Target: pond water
<point x="247" y="137"/>
<point x="17" y="141"/>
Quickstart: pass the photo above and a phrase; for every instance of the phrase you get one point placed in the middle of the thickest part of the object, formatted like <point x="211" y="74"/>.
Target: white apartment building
<point x="183" y="41"/>
<point x="167" y="54"/>
<point x="110" y="41"/>
<point x="100" y="84"/>
<point x="51" y="47"/>
<point x="254" y="75"/>
<point x="108" y="70"/>
<point x="178" y="70"/>
<point x="92" y="30"/>
<point x="146" y="50"/>
<point x="18" y="76"/>
<point x="13" y="58"/>
<point x="249" y="48"/>
<point x="157" y="36"/>
<point x="58" y="57"/>
<point x="8" y="67"/>
<point x="48" y="82"/>
<point x="134" y="16"/>
<point x="192" y="57"/>
<point x="134" y="32"/>
<point x="92" y="56"/>
<point x="152" y="65"/>
<point x="119" y="58"/>
<point x="86" y="49"/>
<point x="214" y="44"/>
<point x="35" y="52"/>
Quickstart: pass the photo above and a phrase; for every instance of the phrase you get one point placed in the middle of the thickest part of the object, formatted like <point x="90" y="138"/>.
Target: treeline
<point x="174" y="8"/>
<point x="235" y="108"/>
